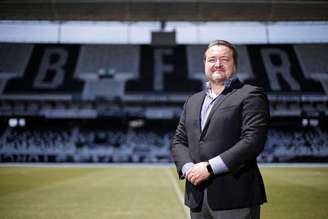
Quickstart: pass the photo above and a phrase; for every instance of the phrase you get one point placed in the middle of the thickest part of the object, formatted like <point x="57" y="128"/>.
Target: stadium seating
<point x="80" y="143"/>
<point x="123" y="82"/>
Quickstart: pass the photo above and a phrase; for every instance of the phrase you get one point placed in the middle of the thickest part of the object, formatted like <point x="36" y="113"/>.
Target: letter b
<point x="50" y="74"/>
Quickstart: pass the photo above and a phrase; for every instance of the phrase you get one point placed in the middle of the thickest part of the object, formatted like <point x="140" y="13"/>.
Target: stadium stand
<point x="76" y="142"/>
<point x="110" y="85"/>
<point x="85" y="72"/>
<point x="295" y="145"/>
<point x="45" y="74"/>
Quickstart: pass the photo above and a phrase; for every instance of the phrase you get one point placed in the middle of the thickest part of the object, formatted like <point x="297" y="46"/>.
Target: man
<point x="220" y="133"/>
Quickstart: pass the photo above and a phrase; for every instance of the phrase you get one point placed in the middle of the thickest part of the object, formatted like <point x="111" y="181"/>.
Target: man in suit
<point x="220" y="133"/>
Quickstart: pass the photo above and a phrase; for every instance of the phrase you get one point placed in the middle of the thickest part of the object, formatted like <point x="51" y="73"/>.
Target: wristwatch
<point x="209" y="168"/>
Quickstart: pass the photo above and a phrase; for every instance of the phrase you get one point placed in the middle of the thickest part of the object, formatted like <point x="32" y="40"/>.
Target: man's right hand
<point x="198" y="173"/>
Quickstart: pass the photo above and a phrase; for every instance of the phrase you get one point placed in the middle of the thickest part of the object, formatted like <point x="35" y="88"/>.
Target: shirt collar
<point x="227" y="84"/>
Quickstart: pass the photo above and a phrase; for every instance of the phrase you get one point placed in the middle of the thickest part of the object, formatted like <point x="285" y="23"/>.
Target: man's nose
<point x="218" y="63"/>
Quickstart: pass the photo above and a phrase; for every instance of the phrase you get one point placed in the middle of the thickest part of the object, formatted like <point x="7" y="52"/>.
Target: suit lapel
<point x="198" y="110"/>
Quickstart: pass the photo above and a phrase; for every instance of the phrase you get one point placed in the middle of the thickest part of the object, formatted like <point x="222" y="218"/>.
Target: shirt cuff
<point x="186" y="167"/>
<point x="218" y="165"/>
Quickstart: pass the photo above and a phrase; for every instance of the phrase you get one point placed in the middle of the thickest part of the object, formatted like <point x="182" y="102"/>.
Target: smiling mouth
<point x="218" y="72"/>
<point x="219" y="69"/>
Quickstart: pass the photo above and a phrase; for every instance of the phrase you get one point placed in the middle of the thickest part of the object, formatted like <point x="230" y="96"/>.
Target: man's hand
<point x="198" y="173"/>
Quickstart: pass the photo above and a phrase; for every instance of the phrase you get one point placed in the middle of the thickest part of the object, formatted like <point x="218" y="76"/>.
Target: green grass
<point x="139" y="192"/>
<point x="88" y="193"/>
<point x="296" y="193"/>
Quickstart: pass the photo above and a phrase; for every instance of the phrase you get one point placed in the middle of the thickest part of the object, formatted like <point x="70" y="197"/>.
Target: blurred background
<point x="104" y="81"/>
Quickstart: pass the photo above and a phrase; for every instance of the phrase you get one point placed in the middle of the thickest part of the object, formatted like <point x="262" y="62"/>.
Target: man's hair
<point x="223" y="43"/>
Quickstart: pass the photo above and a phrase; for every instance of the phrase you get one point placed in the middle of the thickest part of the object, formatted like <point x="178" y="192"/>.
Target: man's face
<point x="219" y="63"/>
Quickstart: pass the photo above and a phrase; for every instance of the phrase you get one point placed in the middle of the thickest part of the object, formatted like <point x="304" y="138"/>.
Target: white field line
<point x="178" y="192"/>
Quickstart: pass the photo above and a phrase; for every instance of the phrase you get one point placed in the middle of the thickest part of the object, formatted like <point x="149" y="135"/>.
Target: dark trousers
<point x="241" y="213"/>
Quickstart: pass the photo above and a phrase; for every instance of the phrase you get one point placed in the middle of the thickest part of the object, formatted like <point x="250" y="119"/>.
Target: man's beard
<point x="217" y="77"/>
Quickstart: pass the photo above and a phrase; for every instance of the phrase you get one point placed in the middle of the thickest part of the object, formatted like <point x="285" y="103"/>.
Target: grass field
<point x="143" y="192"/>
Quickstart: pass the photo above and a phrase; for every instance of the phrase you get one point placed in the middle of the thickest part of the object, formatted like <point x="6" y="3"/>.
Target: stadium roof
<point x="165" y="10"/>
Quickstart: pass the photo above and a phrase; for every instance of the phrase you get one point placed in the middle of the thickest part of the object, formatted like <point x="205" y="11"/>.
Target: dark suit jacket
<point x="236" y="130"/>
